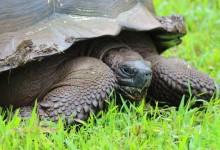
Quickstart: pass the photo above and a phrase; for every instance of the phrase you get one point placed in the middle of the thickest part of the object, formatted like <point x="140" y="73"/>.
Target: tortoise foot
<point x="25" y="112"/>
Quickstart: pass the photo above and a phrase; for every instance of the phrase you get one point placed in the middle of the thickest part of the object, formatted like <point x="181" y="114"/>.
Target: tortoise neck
<point x="114" y="57"/>
<point x="99" y="47"/>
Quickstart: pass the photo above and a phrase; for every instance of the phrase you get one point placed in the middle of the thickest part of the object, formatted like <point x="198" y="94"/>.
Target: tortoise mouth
<point x="134" y="93"/>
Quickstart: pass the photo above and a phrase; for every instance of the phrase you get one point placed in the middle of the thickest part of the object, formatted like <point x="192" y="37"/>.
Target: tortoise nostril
<point x="149" y="74"/>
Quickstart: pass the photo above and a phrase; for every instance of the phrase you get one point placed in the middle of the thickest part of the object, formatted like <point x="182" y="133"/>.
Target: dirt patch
<point x="174" y="23"/>
<point x="24" y="51"/>
<point x="69" y="39"/>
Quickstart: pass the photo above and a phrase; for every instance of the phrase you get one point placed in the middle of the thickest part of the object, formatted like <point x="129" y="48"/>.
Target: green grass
<point x="143" y="127"/>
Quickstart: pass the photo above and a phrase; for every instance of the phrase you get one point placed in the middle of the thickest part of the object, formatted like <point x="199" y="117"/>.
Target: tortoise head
<point x="132" y="72"/>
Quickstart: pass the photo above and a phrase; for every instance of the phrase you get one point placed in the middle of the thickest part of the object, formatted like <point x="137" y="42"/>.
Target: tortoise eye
<point x="126" y="70"/>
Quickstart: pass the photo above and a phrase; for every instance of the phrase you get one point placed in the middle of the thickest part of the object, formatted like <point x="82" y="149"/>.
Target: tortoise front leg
<point x="171" y="79"/>
<point x="80" y="92"/>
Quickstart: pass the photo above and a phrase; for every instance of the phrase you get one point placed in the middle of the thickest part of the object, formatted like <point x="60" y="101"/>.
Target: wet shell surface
<point x="34" y="29"/>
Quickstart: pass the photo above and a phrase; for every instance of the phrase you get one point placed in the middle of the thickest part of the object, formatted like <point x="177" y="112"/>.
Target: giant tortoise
<point x="70" y="54"/>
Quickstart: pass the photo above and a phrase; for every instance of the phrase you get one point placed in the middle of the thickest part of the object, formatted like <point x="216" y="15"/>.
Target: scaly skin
<point x="73" y="87"/>
<point x="171" y="80"/>
<point x="172" y="76"/>
<point x="64" y="86"/>
<point x="80" y="92"/>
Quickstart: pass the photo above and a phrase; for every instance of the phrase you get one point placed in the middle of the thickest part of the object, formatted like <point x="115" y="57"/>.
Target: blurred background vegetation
<point x="201" y="46"/>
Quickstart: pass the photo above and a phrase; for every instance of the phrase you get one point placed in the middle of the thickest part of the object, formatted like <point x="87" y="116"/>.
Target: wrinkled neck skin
<point x="114" y="57"/>
<point x="150" y="56"/>
<point x="99" y="47"/>
<point x="136" y="41"/>
<point x="146" y="54"/>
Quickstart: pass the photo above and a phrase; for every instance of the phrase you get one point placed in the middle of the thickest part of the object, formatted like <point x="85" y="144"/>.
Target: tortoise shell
<point x="34" y="29"/>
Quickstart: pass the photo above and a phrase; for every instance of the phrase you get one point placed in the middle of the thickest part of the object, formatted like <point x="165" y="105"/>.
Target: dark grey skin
<point x="73" y="87"/>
